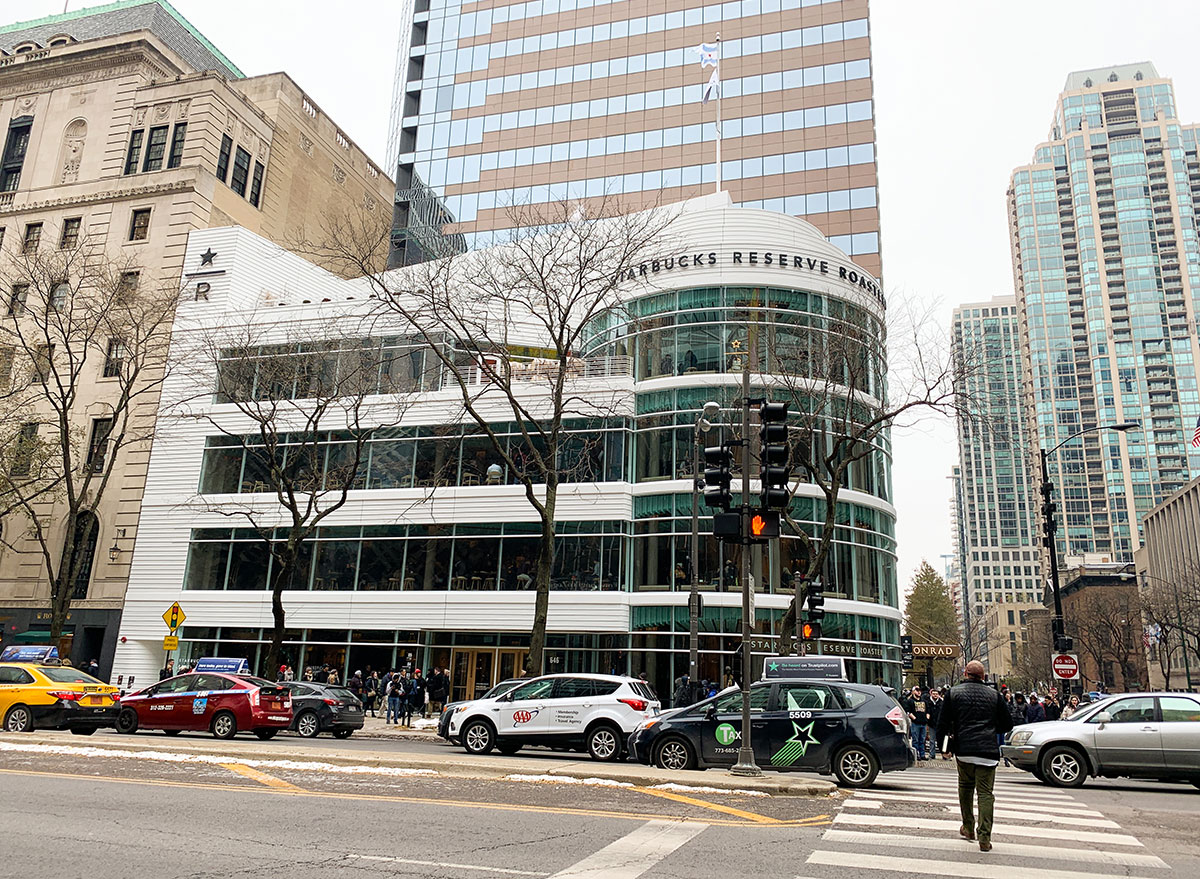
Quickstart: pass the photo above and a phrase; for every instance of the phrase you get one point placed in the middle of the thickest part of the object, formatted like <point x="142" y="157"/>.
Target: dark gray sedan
<point x="1135" y="735"/>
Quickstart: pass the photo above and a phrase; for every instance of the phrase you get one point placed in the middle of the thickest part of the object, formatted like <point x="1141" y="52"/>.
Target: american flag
<point x="1196" y="435"/>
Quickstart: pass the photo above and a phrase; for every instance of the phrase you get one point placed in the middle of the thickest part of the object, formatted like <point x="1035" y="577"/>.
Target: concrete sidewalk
<point x="454" y="763"/>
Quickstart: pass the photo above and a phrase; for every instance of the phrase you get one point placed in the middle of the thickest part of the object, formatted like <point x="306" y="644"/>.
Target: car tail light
<point x="897" y="717"/>
<point x="337" y="703"/>
<point x="635" y="704"/>
<point x="255" y="697"/>
<point x="67" y="696"/>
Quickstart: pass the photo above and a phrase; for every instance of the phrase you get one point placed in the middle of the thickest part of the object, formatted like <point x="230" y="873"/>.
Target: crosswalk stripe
<point x="1029" y="791"/>
<point x="1002" y="802"/>
<point x="1050" y="852"/>
<point x="926" y="867"/>
<point x="863" y="804"/>
<point x="1015" y="830"/>
<point x="635" y="853"/>
<point x="952" y="782"/>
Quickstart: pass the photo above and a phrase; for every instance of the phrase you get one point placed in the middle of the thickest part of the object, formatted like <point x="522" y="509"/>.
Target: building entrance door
<point x="471" y="673"/>
<point x="510" y="664"/>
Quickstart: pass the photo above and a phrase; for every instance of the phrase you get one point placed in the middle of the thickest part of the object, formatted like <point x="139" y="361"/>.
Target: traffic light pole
<point x="745" y="765"/>
<point x="1057" y="627"/>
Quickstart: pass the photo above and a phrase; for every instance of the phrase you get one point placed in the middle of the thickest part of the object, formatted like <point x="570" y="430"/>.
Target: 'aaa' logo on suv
<point x="520" y="717"/>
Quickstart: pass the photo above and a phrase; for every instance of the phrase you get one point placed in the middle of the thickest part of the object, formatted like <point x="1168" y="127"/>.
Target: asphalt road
<point x="171" y="816"/>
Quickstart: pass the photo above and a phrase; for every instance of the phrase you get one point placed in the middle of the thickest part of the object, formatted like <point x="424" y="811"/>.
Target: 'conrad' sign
<point x="791" y="262"/>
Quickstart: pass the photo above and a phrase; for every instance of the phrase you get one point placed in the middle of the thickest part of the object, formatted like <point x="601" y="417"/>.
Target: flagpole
<point x="719" y="90"/>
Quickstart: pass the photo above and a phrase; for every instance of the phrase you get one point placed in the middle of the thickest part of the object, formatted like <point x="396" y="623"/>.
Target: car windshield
<point x="500" y="689"/>
<point x="1086" y="711"/>
<point x="67" y="675"/>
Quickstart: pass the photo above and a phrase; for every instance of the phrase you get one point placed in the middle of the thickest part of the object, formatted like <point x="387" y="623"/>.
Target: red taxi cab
<point x="223" y="704"/>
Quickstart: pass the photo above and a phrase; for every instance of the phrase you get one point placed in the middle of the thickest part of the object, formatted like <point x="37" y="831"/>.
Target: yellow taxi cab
<point x="35" y="695"/>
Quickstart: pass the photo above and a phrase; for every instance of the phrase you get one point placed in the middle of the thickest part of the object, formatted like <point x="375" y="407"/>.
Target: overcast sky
<point x="964" y="91"/>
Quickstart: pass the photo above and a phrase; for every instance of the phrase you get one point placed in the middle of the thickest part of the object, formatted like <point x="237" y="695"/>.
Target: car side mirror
<point x="710" y="713"/>
<point x="507" y="697"/>
<point x="1102" y="717"/>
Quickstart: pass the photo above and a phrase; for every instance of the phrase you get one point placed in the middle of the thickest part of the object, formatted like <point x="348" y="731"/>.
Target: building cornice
<point x="108" y="195"/>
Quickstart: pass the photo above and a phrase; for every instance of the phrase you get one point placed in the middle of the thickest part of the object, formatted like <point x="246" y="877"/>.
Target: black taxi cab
<point x="854" y="731"/>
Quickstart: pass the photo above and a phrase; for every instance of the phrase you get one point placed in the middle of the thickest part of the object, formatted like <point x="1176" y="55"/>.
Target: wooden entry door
<point x="471" y="674"/>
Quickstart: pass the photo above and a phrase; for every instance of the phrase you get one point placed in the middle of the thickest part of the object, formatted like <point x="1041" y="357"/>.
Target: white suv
<point x="597" y="712"/>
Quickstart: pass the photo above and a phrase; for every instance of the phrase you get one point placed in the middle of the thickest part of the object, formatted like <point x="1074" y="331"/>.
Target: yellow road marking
<point x="424" y="801"/>
<point x="260" y="777"/>
<point x="703" y="804"/>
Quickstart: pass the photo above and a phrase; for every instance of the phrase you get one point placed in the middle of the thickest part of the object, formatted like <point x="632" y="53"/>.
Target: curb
<point x="459" y="766"/>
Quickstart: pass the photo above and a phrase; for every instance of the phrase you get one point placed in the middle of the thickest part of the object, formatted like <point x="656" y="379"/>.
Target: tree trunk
<point x="285" y="564"/>
<point x="534" y="662"/>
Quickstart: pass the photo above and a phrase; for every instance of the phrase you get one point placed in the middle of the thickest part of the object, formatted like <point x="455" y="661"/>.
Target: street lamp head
<point x="1125" y="426"/>
<point x="711" y="409"/>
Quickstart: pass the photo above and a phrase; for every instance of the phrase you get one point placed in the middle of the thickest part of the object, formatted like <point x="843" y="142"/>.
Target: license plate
<point x="276" y="705"/>
<point x="93" y="700"/>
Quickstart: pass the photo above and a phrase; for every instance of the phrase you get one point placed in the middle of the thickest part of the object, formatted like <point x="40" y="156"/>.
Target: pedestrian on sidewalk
<point x="371" y="693"/>
<point x="395" y="693"/>
<point x="1052" y="708"/>
<point x="1034" y="712"/>
<point x="1070" y="708"/>
<point x="935" y="712"/>
<point x="355" y="685"/>
<point x="167" y="671"/>
<point x="406" y="686"/>
<point x="974" y="714"/>
<point x="417" y="694"/>
<point x="918" y="713"/>
<point x="439" y="687"/>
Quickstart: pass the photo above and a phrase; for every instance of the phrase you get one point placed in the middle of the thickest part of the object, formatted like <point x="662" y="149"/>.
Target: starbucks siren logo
<point x="726" y="734"/>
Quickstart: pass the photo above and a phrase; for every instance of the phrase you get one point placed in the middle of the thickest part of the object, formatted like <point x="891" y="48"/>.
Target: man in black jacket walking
<point x="972" y="716"/>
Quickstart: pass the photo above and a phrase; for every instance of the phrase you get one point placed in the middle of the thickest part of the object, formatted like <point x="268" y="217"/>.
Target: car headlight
<point x="1020" y="738"/>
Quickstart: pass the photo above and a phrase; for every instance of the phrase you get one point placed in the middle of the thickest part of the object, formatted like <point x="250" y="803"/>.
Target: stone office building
<point x="122" y="124"/>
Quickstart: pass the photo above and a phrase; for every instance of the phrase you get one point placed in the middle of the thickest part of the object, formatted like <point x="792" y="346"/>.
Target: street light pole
<point x="703" y="425"/>
<point x="1050" y="526"/>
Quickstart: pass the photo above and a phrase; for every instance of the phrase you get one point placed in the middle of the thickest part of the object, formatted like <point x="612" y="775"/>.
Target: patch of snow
<point x="697" y="789"/>
<point x="214" y="759"/>
<point x="563" y="779"/>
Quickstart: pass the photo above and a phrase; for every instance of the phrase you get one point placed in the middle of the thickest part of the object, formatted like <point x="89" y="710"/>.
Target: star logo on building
<point x="206" y="258"/>
<point x="795" y="747"/>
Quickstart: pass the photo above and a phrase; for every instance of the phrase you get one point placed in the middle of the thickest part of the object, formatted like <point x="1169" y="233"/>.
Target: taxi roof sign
<point x="812" y="668"/>
<point x="231" y="666"/>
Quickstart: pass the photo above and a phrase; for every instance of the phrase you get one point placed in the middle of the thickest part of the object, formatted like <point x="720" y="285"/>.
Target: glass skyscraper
<point x="997" y="539"/>
<point x="1107" y="271"/>
<point x="500" y="104"/>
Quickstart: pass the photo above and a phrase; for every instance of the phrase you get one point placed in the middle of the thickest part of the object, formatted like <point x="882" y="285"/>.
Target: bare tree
<point x="83" y="345"/>
<point x="1032" y="670"/>
<point x="849" y="378"/>
<point x="506" y="325"/>
<point x="296" y="405"/>
<point x="1107" y="623"/>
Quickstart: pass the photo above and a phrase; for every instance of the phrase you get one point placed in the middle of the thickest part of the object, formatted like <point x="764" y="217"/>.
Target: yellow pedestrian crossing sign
<point x="174" y="617"/>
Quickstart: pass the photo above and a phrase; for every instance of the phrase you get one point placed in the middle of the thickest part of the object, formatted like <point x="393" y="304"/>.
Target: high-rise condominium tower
<point x="1107" y="270"/>
<point x="996" y="527"/>
<point x="505" y="103"/>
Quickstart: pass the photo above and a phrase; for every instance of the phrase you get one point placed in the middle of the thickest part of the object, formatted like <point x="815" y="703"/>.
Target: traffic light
<point x="814" y="612"/>
<point x="718" y="474"/>
<point x="762" y="525"/>
<point x="773" y="455"/>
<point x="1049" y="524"/>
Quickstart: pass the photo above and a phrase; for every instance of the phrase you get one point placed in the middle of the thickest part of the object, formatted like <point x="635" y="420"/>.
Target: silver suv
<point x="1137" y="735"/>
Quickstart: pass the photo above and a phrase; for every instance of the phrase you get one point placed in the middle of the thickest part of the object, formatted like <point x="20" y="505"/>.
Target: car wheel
<point x="224" y="725"/>
<point x="508" y="748"/>
<point x="19" y="719"/>
<point x="308" y="725"/>
<point x="1063" y="766"/>
<point x="82" y="730"/>
<point x="266" y="734"/>
<point x="604" y="743"/>
<point x="478" y="737"/>
<point x="855" y="766"/>
<point x="1039" y="775"/>
<point x="172" y="732"/>
<point x="674" y="754"/>
<point x="127" y="721"/>
<point x="342" y="733"/>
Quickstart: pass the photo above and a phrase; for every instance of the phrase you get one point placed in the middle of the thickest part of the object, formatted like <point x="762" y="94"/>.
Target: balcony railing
<point x="545" y="369"/>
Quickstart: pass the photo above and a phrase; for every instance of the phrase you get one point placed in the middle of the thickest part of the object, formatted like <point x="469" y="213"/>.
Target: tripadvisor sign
<point x="789" y="262"/>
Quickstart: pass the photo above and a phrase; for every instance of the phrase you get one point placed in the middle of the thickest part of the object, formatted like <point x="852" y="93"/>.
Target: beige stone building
<point x="1003" y="633"/>
<point x="123" y="125"/>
